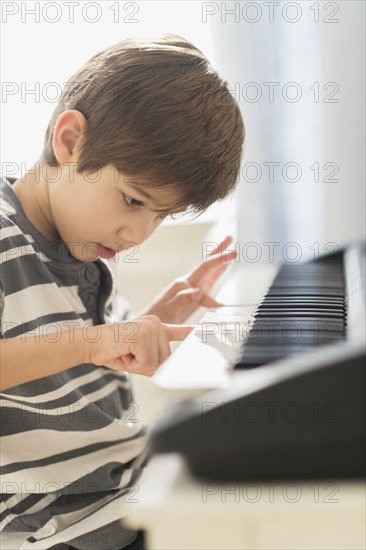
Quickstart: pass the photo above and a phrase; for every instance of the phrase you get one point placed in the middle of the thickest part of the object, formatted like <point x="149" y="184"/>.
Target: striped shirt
<point x="71" y="443"/>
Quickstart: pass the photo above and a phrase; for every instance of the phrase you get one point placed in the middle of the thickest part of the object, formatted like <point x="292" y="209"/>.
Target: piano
<point x="272" y="386"/>
<point x="262" y="443"/>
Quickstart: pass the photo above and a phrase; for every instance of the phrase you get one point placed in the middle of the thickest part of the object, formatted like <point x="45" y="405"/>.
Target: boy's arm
<point x="24" y="359"/>
<point x="138" y="347"/>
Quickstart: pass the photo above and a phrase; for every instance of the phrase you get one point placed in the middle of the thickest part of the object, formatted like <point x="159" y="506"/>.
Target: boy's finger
<point x="177" y="332"/>
<point x="223" y="245"/>
<point x="211" y="262"/>
<point x="188" y="296"/>
<point x="207" y="301"/>
<point x="164" y="348"/>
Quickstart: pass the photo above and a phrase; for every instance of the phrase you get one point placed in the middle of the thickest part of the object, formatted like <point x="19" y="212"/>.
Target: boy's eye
<point x="130" y="201"/>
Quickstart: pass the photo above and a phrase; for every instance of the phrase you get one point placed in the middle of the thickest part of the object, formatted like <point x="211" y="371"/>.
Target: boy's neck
<point x="33" y="194"/>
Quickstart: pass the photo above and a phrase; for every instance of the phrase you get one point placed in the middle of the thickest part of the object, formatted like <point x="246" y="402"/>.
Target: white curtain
<point x="297" y="69"/>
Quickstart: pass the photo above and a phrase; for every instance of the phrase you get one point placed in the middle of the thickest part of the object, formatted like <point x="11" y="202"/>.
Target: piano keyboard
<point x="270" y="314"/>
<point x="303" y="308"/>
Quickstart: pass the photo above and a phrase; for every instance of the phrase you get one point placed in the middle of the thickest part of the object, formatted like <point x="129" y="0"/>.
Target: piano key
<point x="300" y="323"/>
<point x="308" y="298"/>
<point x="298" y="305"/>
<point x="294" y="312"/>
<point x="290" y="337"/>
<point x="284" y="293"/>
<point x="294" y="302"/>
<point x="306" y="337"/>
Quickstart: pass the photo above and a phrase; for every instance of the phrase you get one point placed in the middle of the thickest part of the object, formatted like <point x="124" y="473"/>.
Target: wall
<point x="344" y="123"/>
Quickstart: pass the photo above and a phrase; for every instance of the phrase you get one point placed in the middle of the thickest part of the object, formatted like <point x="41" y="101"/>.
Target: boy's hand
<point x="185" y="294"/>
<point x="137" y="346"/>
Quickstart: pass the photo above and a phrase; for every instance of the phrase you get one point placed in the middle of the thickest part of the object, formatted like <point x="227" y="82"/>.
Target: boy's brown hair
<point x="159" y="113"/>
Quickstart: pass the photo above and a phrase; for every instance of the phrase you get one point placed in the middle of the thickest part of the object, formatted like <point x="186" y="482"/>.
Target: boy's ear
<point x="67" y="136"/>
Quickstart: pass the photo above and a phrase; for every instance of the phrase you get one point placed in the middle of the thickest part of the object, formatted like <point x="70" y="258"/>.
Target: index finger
<point x="177" y="332"/>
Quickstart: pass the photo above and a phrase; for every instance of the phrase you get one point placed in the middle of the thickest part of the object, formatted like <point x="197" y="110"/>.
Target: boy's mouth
<point x="105" y="252"/>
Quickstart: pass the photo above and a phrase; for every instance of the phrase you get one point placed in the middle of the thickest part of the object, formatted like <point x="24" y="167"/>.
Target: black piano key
<point x="298" y="312"/>
<point x="284" y="293"/>
<point x="300" y="304"/>
<point x="308" y="298"/>
<point x="300" y="323"/>
<point x="289" y="338"/>
<point x="340" y="310"/>
<point x="314" y="298"/>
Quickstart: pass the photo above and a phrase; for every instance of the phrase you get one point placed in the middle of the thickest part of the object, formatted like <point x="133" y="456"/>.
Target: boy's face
<point x="104" y="208"/>
<point x="94" y="214"/>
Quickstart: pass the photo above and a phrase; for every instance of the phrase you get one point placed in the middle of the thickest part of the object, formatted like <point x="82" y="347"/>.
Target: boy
<point x="144" y="129"/>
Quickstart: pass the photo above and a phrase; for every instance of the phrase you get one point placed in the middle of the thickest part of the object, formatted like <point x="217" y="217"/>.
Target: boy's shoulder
<point x="6" y="209"/>
<point x="11" y="233"/>
<point x="10" y="216"/>
<point x="17" y="246"/>
<point x="7" y="205"/>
